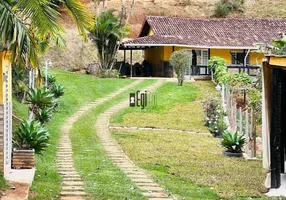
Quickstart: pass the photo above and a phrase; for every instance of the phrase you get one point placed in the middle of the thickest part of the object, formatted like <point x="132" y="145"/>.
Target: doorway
<point x="278" y="127"/>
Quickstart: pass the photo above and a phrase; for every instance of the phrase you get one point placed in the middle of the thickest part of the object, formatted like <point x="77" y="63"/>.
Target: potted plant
<point x="30" y="138"/>
<point x="233" y="144"/>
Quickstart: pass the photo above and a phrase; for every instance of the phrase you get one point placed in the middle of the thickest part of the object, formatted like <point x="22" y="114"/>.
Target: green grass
<point x="20" y="109"/>
<point x="178" y="108"/>
<point x="192" y="166"/>
<point x="102" y="179"/>
<point x="79" y="90"/>
<point x="3" y="184"/>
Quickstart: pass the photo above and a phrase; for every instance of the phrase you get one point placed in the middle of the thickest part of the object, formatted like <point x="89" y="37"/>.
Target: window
<point x="202" y="57"/>
<point x="237" y="58"/>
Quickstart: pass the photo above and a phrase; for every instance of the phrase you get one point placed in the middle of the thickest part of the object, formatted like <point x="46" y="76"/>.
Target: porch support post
<point x="209" y="57"/>
<point x="131" y="70"/>
<point x="266" y="118"/>
<point x="124" y="56"/>
<point x="244" y="63"/>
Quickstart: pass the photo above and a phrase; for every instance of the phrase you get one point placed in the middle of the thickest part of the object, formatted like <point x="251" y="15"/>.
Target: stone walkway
<point x="150" y="189"/>
<point x="72" y="188"/>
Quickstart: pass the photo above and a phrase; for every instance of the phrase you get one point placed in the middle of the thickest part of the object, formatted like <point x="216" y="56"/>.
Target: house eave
<point x="189" y="46"/>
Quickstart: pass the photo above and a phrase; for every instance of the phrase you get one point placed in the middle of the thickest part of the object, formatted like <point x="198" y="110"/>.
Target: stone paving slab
<point x="154" y="194"/>
<point x="151" y="188"/>
<point x="72" y="198"/>
<point x="73" y="193"/>
<point x="71" y="188"/>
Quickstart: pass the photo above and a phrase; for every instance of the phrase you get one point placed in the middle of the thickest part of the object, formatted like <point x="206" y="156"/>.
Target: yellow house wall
<point x="150" y="32"/>
<point x="5" y="62"/>
<point x="154" y="55"/>
<point x="255" y="58"/>
<point x="278" y="61"/>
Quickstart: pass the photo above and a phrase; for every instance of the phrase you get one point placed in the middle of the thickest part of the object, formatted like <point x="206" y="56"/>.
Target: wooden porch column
<point x="266" y="117"/>
<point x="131" y="67"/>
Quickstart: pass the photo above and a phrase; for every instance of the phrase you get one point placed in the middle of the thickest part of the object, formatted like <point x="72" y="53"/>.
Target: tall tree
<point x="106" y="35"/>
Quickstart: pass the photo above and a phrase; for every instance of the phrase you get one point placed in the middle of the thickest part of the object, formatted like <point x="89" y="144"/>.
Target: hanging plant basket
<point x="23" y="158"/>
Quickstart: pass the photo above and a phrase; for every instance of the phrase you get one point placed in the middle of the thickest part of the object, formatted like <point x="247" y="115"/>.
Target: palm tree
<point x="106" y="34"/>
<point x="27" y="27"/>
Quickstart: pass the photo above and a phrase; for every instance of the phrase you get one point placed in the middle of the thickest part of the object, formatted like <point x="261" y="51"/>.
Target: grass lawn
<point x="192" y="166"/>
<point x="177" y="108"/>
<point x="79" y="90"/>
<point x="102" y="179"/>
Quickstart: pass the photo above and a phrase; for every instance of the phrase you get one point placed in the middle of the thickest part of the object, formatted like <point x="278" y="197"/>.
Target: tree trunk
<point x="129" y="13"/>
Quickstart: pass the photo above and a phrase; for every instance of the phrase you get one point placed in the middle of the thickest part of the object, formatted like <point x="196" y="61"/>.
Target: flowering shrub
<point x="211" y="108"/>
<point x="214" y="117"/>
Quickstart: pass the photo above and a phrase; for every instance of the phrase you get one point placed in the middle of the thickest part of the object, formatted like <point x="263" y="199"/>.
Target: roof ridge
<point x="202" y="18"/>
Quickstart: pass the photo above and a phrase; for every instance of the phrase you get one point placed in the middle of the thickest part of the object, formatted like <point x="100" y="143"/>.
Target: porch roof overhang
<point x="203" y="43"/>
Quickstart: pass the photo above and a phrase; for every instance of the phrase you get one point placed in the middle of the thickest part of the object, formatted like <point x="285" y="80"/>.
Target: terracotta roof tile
<point x="209" y="32"/>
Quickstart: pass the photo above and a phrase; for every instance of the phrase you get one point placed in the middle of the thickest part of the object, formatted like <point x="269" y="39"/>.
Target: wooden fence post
<point x="247" y="131"/>
<point x="254" y="132"/>
<point x="240" y="121"/>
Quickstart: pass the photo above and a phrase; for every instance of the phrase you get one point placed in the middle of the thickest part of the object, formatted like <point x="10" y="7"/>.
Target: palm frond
<point x="41" y="14"/>
<point x="82" y="18"/>
<point x="15" y="36"/>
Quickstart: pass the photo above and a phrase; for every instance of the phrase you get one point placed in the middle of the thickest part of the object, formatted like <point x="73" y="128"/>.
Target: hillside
<point x="79" y="54"/>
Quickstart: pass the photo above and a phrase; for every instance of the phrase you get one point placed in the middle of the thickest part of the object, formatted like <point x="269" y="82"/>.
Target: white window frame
<point x="236" y="64"/>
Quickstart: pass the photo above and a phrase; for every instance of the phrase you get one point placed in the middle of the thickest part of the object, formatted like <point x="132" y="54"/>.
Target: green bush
<point x="221" y="9"/>
<point x="33" y="134"/>
<point x="224" y="7"/>
<point x="232" y="142"/>
<point x="219" y="68"/>
<point x="218" y="126"/>
<point x="57" y="90"/>
<point x="240" y="80"/>
<point x="180" y="60"/>
<point x="214" y="117"/>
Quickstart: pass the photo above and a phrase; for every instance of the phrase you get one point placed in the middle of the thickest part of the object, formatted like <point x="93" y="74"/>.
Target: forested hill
<point x="79" y="54"/>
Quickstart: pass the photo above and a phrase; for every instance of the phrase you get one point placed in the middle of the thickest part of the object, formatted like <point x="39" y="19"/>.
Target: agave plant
<point x="39" y="98"/>
<point x="51" y="79"/>
<point x="32" y="134"/>
<point x="57" y="90"/>
<point x="233" y="142"/>
<point x="44" y="115"/>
